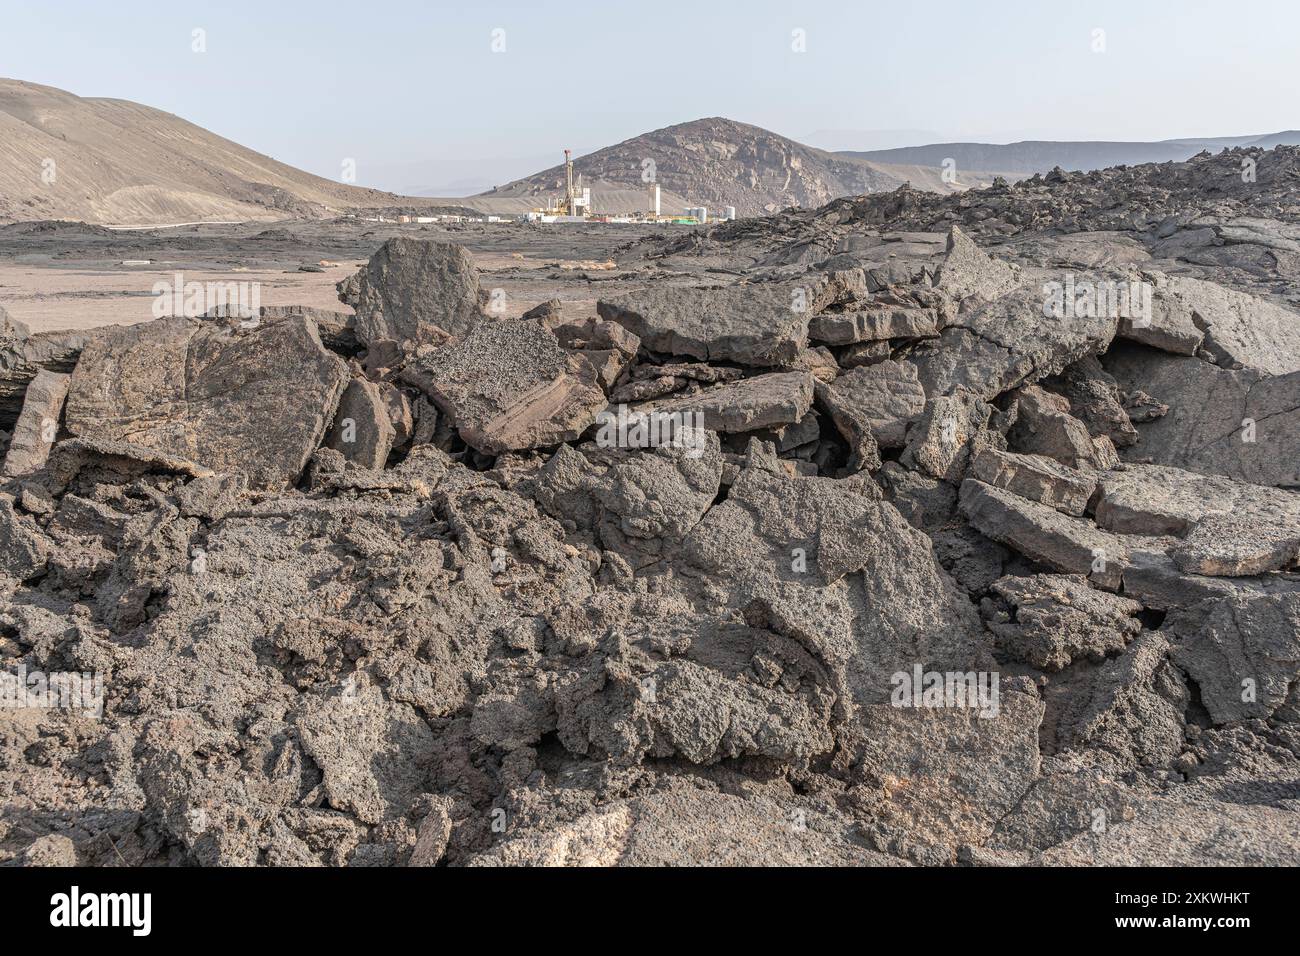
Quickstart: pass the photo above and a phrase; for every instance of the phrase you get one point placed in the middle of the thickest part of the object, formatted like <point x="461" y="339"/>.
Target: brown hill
<point x="118" y="162"/>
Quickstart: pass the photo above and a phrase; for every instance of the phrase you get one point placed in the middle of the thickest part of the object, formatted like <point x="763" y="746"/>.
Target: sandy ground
<point x="56" y="299"/>
<point x="50" y="300"/>
<point x="56" y="276"/>
<point x="76" y="277"/>
<point x="59" y="299"/>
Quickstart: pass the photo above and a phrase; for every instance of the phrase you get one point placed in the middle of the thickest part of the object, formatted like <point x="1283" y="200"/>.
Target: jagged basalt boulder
<point x="1242" y="652"/>
<point x="1051" y="620"/>
<point x="363" y="429"/>
<point x="638" y="502"/>
<point x="1007" y="342"/>
<point x="951" y="430"/>
<point x="807" y="557"/>
<point x="415" y="292"/>
<point x="967" y="272"/>
<point x="872" y="407"/>
<point x="1095" y="399"/>
<point x="1044" y="426"/>
<point x="1129" y="712"/>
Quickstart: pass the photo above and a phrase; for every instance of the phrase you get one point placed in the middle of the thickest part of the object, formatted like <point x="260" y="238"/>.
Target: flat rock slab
<point x="1158" y="500"/>
<point x="373" y="753"/>
<point x="949" y="774"/>
<point x="683" y="827"/>
<point x="1242" y="424"/>
<point x="1154" y="578"/>
<point x="255" y="403"/>
<point x="689" y="372"/>
<point x="1037" y="478"/>
<point x="1171" y="327"/>
<point x="1073" y="545"/>
<point x="650" y="381"/>
<point x="763" y="324"/>
<point x="892" y="314"/>
<point x="1188" y="831"/>
<point x="865" y="353"/>
<point x="414" y="290"/>
<point x="764" y="401"/>
<point x="509" y="386"/>
<point x="1235" y="545"/>
<point x="820" y="361"/>
<point x="37" y="424"/>
<point x="1090" y="249"/>
<point x="1157" y="569"/>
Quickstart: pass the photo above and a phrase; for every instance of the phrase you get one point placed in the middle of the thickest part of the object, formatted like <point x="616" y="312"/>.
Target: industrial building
<point x="575" y="206"/>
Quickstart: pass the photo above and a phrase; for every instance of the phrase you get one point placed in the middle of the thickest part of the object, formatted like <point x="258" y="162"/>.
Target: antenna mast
<point x="568" y="185"/>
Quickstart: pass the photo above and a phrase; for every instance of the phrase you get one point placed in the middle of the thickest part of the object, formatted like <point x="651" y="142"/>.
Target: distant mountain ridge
<point x="1040" y="156"/>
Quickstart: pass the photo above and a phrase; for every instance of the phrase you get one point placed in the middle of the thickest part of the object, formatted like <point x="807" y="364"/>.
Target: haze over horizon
<point x="376" y="89"/>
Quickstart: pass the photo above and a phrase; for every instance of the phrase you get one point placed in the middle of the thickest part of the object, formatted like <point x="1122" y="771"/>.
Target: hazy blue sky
<point x="417" y="84"/>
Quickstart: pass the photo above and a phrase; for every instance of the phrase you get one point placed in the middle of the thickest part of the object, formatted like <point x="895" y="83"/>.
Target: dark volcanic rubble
<point x="926" y="532"/>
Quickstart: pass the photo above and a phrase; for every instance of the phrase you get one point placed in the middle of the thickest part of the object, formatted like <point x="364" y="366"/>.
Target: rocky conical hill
<point x="718" y="162"/>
